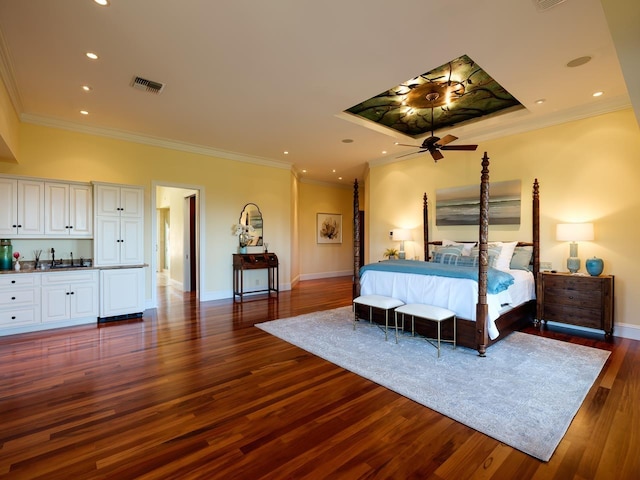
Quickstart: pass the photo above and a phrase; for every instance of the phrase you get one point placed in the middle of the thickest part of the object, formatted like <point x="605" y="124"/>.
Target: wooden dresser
<point x="576" y="299"/>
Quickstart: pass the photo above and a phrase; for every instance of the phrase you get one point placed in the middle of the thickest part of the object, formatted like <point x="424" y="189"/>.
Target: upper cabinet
<point x="22" y="211"/>
<point x="119" y="225"/>
<point x="120" y="201"/>
<point x="68" y="210"/>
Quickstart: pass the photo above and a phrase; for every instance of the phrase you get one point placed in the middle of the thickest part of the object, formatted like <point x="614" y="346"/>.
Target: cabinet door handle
<point x="13" y="281"/>
<point x="13" y="298"/>
<point x="13" y="318"/>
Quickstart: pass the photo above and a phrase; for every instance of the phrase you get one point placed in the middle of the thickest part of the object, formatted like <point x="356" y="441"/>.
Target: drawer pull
<point x="13" y="298"/>
<point x="13" y="318"/>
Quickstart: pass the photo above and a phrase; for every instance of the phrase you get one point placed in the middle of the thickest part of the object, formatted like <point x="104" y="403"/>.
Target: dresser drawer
<point x="19" y="296"/>
<point x="19" y="316"/>
<point x="19" y="280"/>
<point x="585" y="317"/>
<point x="573" y="298"/>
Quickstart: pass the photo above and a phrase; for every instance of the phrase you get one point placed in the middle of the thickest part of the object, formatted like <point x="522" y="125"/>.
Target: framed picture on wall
<point x="329" y="227"/>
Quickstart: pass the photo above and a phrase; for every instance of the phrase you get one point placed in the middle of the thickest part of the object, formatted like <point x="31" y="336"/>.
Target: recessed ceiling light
<point x="333" y="171"/>
<point x="576" y="62"/>
<point x="347" y="140"/>
<point x="86" y="88"/>
<point x="92" y="55"/>
<point x="304" y="171"/>
<point x="286" y="153"/>
<point x="384" y="152"/>
<point x="339" y="178"/>
<point x="102" y="3"/>
<point x="540" y="101"/>
<point x="598" y="94"/>
<point x="84" y="112"/>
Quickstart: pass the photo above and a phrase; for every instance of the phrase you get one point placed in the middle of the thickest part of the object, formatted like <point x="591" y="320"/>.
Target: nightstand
<point x="576" y="299"/>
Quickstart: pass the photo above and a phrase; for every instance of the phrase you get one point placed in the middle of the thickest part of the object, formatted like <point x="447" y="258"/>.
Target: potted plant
<point x="391" y="252"/>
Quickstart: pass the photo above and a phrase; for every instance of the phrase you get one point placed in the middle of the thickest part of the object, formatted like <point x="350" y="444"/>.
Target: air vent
<point x="140" y="83"/>
<point x="543" y="5"/>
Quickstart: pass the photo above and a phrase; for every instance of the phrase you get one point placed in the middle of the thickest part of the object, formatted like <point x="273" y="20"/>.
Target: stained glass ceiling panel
<point x="457" y="92"/>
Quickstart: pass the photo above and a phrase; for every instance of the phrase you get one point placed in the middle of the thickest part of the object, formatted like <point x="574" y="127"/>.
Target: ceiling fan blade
<point x="437" y="155"/>
<point x="412" y="153"/>
<point x="407" y="145"/>
<point x="460" y="147"/>
<point x="446" y="139"/>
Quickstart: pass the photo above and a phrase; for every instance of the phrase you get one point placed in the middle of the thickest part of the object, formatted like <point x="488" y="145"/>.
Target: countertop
<point x="29" y="268"/>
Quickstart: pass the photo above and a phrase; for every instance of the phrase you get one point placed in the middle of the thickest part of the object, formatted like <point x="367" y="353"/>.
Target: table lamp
<point x="401" y="234"/>
<point x="574" y="232"/>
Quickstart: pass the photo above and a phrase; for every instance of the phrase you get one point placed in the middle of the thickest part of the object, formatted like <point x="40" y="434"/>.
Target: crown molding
<point x="151" y="141"/>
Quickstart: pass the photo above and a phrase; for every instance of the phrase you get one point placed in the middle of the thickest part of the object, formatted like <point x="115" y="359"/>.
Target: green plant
<point x="391" y="252"/>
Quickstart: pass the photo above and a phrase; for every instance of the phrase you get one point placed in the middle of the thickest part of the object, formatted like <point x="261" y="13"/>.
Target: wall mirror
<point x="251" y="215"/>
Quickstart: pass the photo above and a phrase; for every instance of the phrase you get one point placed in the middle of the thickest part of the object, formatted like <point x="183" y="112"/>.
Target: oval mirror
<point x="251" y="215"/>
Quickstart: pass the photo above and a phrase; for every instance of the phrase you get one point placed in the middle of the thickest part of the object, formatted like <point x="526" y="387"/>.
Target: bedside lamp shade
<point x="401" y="234"/>
<point x="574" y="232"/>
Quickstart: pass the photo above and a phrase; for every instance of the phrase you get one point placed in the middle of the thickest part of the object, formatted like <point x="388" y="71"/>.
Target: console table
<point x="254" y="261"/>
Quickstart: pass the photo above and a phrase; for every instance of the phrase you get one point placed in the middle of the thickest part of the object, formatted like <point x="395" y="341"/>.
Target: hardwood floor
<point x="195" y="391"/>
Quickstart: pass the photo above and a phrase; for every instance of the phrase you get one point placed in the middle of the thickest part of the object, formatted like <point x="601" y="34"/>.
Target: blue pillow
<point x="472" y="261"/>
<point x="448" y="254"/>
<point x="521" y="259"/>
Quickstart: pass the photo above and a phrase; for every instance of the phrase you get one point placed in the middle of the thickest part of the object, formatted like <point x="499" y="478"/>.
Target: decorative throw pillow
<point x="521" y="258"/>
<point x="447" y="254"/>
<point x="493" y="250"/>
<point x="506" y="252"/>
<point x="474" y="261"/>
<point x="466" y="247"/>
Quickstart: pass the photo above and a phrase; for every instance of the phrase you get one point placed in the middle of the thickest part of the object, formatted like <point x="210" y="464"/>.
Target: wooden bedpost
<point x="482" y="310"/>
<point x="356" y="241"/>
<point x="425" y="226"/>
<point x="536" y="229"/>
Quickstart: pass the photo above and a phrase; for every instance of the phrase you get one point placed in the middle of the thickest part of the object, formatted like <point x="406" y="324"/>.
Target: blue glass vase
<point x="595" y="266"/>
<point x="6" y="252"/>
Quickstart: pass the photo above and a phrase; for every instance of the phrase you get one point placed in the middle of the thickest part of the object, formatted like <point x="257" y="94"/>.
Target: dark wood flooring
<point x="195" y="391"/>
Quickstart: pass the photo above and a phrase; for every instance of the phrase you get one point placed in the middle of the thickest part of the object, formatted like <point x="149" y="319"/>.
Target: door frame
<point x="200" y="235"/>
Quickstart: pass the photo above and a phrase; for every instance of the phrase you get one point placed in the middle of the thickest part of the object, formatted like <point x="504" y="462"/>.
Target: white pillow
<point x="504" y="259"/>
<point x="466" y="247"/>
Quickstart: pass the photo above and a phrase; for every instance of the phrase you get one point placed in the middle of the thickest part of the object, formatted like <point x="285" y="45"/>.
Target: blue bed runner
<point x="497" y="280"/>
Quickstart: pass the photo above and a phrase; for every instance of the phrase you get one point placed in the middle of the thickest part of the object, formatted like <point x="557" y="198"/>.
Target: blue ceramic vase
<point x="595" y="266"/>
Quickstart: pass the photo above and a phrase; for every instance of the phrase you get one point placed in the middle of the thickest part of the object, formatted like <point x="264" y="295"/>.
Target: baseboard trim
<point x="316" y="276"/>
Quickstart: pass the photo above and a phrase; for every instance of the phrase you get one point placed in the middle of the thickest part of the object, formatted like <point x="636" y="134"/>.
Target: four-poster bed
<point x="489" y="325"/>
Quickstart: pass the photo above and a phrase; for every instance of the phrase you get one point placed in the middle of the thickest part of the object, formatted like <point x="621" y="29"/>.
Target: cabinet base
<point x="116" y="318"/>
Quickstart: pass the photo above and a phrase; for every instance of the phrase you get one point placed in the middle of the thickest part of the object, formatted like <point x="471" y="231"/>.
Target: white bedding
<point x="456" y="294"/>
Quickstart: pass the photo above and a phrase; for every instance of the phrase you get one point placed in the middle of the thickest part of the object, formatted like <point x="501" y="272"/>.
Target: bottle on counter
<point x="6" y="255"/>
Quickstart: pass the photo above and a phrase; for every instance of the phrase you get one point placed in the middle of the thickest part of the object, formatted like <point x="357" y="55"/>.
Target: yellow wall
<point x="9" y="127"/>
<point x="589" y="170"/>
<point x="228" y="185"/>
<point x="319" y="260"/>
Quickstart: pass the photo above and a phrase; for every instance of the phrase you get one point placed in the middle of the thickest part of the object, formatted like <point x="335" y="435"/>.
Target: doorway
<point x="176" y="243"/>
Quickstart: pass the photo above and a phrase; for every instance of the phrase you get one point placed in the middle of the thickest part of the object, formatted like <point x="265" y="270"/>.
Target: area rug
<point x="531" y="387"/>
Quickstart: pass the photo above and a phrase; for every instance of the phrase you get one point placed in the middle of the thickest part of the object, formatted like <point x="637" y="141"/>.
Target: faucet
<point x="53" y="257"/>
<point x="71" y="255"/>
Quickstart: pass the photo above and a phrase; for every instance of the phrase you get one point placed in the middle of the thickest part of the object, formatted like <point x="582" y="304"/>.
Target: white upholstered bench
<point x="427" y="312"/>
<point x="377" y="301"/>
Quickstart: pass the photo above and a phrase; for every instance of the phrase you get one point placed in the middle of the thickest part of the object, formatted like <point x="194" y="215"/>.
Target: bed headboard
<point x="535" y="229"/>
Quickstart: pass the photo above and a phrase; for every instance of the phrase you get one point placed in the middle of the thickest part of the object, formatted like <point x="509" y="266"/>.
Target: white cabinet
<point x="68" y="210"/>
<point x="121" y="292"/>
<point x="119" y="225"/>
<point x="21" y="208"/>
<point x="19" y="300"/>
<point x="70" y="295"/>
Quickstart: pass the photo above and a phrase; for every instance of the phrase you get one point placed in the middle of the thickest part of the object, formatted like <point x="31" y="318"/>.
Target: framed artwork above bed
<point x="461" y="205"/>
<point x="329" y="227"/>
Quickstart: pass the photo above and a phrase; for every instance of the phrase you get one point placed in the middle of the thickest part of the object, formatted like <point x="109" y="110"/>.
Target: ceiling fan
<point x="434" y="144"/>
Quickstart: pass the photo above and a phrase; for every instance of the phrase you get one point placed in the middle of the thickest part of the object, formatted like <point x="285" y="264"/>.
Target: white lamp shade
<point x="401" y="234"/>
<point x="574" y="232"/>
